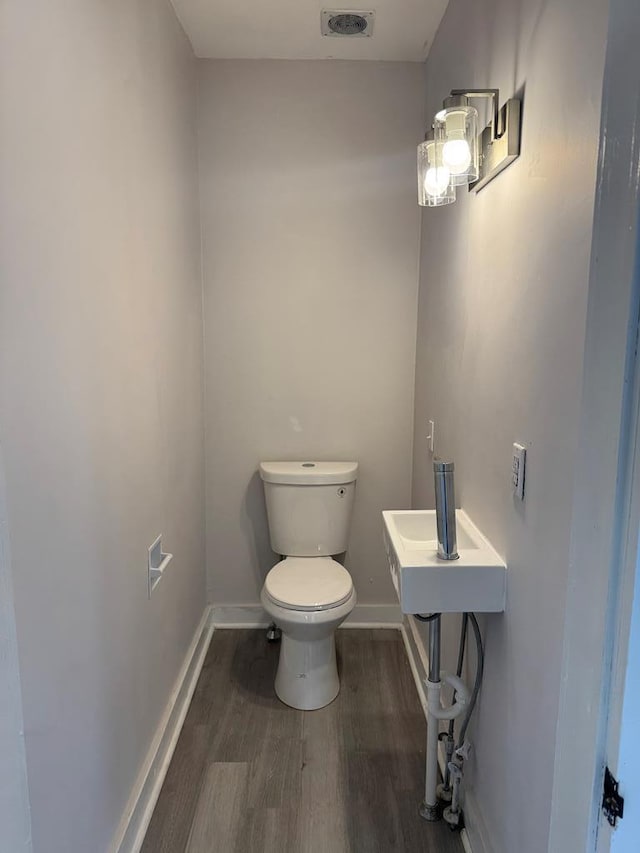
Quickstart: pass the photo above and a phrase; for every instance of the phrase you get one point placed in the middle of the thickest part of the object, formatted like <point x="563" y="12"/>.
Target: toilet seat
<point x="308" y="583"/>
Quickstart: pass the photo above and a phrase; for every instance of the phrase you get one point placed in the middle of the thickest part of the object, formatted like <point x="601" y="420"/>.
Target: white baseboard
<point x="476" y="832"/>
<point x="374" y="616"/>
<point x="418" y="657"/>
<point x="254" y="616"/>
<point x="465" y="841"/>
<point x="239" y="616"/>
<point x="135" y="821"/>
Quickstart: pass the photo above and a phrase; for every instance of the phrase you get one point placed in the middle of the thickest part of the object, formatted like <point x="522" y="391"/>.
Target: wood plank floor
<point x="250" y="775"/>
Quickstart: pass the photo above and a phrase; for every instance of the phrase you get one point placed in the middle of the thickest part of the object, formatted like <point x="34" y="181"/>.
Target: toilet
<point x="308" y="594"/>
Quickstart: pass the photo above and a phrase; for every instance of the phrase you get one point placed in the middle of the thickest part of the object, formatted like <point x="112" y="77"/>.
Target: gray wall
<point x="100" y="390"/>
<point x="310" y="246"/>
<point x="501" y="327"/>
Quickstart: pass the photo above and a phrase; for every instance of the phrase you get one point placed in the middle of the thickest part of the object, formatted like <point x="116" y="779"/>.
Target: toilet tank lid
<point x="309" y="473"/>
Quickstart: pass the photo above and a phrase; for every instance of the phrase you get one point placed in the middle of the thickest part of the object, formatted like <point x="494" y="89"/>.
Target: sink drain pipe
<point x="435" y="712"/>
<point x="444" y="790"/>
<point x="452" y="814"/>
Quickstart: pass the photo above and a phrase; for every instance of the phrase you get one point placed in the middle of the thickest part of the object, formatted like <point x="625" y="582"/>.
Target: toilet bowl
<point x="308" y="598"/>
<point x="308" y="594"/>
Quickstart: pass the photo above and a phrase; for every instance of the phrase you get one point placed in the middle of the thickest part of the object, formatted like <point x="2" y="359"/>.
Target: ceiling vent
<point x="347" y="23"/>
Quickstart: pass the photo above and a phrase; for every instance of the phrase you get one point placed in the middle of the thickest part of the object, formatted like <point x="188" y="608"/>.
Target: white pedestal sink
<point x="425" y="584"/>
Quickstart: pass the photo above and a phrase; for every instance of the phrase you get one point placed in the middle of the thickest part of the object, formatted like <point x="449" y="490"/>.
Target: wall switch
<point x="517" y="470"/>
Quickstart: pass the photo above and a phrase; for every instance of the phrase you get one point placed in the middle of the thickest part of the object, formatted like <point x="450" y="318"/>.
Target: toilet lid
<point x="308" y="583"/>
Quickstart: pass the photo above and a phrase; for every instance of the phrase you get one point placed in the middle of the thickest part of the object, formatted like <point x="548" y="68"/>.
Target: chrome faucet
<point x="445" y="510"/>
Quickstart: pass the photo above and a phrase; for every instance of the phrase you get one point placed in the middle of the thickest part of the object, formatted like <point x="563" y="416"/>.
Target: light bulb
<point x="456" y="154"/>
<point x="436" y="180"/>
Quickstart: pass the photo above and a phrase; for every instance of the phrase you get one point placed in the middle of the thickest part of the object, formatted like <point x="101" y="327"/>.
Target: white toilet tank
<point x="309" y="506"/>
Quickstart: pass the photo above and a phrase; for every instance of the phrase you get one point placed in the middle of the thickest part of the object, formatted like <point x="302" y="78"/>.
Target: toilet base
<point x="307" y="676"/>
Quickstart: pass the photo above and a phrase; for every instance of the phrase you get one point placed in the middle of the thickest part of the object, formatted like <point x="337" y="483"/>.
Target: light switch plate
<point x="518" y="463"/>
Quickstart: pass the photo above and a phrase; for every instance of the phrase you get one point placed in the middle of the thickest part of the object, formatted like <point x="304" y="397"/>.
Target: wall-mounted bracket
<point x="158" y="562"/>
<point x="499" y="142"/>
<point x="494" y="94"/>
<point x="497" y="152"/>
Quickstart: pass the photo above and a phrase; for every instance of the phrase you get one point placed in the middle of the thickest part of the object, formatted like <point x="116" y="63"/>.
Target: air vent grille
<point x="347" y="23"/>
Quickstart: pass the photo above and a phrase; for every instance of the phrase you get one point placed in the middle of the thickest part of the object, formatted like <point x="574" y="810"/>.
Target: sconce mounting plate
<point x="497" y="154"/>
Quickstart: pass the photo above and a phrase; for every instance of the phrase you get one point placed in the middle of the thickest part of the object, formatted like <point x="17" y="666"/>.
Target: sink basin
<point x="424" y="583"/>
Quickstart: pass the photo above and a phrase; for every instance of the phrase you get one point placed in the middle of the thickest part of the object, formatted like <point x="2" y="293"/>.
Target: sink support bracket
<point x="429" y="808"/>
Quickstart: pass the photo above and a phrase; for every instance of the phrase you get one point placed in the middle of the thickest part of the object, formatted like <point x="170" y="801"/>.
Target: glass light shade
<point x="434" y="178"/>
<point x="460" y="150"/>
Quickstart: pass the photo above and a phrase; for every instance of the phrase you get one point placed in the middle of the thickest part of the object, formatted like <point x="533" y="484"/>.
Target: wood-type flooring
<point x="251" y="775"/>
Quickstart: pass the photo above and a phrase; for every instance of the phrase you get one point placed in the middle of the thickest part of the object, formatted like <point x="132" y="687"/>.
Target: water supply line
<point x="436" y="712"/>
<point x="463" y="705"/>
<point x="477" y="681"/>
<point x="452" y="813"/>
<point x="444" y="790"/>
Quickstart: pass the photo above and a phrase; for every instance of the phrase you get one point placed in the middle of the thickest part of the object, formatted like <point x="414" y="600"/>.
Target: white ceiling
<point x="290" y="29"/>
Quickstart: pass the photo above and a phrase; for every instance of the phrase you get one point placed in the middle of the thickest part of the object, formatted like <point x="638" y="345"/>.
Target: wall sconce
<point x="459" y="152"/>
<point x="435" y="186"/>
<point x="459" y="122"/>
